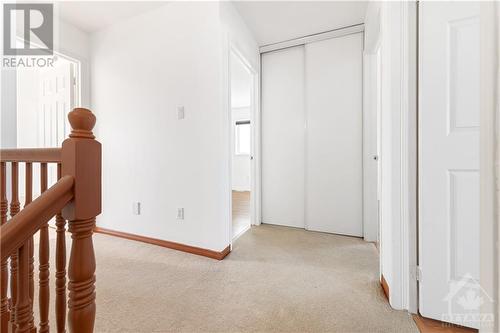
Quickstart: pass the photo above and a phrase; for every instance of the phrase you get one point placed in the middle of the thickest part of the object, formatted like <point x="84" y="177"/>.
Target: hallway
<point x="276" y="279"/>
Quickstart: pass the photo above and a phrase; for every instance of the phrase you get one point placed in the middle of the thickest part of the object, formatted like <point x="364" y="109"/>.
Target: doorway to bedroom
<point x="242" y="104"/>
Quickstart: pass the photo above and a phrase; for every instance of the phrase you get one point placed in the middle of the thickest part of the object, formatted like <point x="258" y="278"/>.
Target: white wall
<point x="238" y="35"/>
<point x="142" y="69"/>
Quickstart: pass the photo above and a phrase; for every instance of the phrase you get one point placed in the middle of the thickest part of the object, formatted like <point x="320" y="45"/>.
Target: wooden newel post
<point x="81" y="158"/>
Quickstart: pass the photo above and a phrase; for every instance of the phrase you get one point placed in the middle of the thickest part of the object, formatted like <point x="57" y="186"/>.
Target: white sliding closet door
<point x="334" y="196"/>
<point x="283" y="137"/>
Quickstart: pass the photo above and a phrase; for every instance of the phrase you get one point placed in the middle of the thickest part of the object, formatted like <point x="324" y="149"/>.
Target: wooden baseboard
<point x="171" y="245"/>
<point x="385" y="286"/>
<point x="426" y="325"/>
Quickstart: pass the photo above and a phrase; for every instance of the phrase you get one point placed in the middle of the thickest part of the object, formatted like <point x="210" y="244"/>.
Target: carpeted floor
<point x="276" y="279"/>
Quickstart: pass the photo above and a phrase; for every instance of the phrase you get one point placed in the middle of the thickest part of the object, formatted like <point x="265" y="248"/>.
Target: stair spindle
<point x="15" y="206"/>
<point x="60" y="268"/>
<point x="4" y="301"/>
<point x="24" y="315"/>
<point x="44" y="296"/>
<point x="31" y="250"/>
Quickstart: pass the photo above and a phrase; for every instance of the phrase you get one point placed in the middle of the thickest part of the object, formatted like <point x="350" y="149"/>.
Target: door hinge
<point x="418" y="273"/>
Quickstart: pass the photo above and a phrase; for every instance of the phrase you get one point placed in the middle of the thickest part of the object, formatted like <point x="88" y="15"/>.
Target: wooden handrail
<point x="42" y="155"/>
<point x="29" y="220"/>
<point x="75" y="198"/>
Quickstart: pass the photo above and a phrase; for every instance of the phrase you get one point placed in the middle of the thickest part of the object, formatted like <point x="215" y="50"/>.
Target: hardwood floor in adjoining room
<point x="241" y="212"/>
<point x="427" y="325"/>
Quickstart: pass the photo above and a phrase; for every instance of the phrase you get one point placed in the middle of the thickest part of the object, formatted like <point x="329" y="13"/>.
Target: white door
<point x="283" y="137"/>
<point x="56" y="100"/>
<point x="334" y="175"/>
<point x="57" y="94"/>
<point x="449" y="162"/>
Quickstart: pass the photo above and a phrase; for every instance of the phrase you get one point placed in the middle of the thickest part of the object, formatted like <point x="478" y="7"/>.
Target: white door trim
<point x="255" y="180"/>
<point x="398" y="25"/>
<point x="409" y="154"/>
<point x="352" y="29"/>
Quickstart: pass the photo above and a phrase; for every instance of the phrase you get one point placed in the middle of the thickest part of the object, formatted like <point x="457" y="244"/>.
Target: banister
<point x="76" y="197"/>
<point x="27" y="222"/>
<point x="43" y="155"/>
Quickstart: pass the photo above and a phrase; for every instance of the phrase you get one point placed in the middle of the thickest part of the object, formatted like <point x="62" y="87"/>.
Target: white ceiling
<point x="277" y="21"/>
<point x="91" y="16"/>
<point x="270" y="21"/>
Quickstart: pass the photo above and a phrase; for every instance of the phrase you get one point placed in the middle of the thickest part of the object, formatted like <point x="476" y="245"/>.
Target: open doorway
<point x="242" y="129"/>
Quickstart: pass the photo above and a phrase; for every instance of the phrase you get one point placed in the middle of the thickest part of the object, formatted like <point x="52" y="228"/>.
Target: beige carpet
<point x="276" y="279"/>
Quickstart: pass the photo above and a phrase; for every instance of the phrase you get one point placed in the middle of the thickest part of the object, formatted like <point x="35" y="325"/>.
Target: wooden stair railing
<point x="75" y="197"/>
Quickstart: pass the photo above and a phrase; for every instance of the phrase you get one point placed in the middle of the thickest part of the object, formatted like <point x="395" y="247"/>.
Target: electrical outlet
<point x="180" y="213"/>
<point x="137" y="208"/>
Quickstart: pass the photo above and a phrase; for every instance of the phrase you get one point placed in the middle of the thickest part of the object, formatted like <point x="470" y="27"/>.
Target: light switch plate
<point x="180" y="213"/>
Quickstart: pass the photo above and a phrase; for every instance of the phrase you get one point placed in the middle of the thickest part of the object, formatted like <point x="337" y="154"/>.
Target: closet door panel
<point x="333" y="74"/>
<point x="283" y="137"/>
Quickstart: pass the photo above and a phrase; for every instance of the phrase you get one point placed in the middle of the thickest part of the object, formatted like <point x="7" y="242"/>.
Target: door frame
<point x="255" y="180"/>
<point x="398" y="45"/>
<point x="409" y="155"/>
